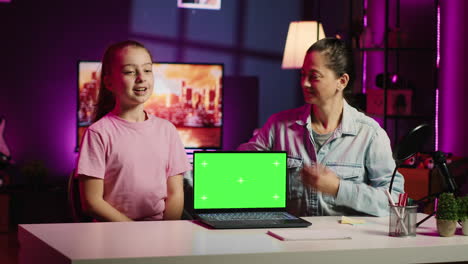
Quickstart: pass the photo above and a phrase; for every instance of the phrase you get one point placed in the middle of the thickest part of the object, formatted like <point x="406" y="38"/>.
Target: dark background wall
<point x="42" y="41"/>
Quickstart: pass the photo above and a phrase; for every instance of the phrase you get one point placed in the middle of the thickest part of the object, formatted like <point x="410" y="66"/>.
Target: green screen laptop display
<point x="232" y="180"/>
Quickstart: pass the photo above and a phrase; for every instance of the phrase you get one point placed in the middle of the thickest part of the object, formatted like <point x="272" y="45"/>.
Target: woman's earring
<point x="340" y="87"/>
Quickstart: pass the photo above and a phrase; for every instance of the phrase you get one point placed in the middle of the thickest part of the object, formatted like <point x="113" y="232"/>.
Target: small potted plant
<point x="463" y="213"/>
<point x="447" y="214"/>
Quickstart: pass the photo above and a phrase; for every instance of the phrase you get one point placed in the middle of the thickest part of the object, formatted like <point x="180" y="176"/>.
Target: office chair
<point x="74" y="200"/>
<point x="187" y="213"/>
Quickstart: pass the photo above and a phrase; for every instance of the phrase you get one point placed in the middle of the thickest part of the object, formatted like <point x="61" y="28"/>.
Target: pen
<point x="403" y="200"/>
<point x="390" y="200"/>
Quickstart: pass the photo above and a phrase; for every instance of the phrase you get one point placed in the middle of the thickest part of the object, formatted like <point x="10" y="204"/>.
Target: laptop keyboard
<point x="247" y="216"/>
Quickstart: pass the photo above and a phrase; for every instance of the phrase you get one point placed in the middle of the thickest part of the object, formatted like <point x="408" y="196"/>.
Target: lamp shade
<point x="301" y="35"/>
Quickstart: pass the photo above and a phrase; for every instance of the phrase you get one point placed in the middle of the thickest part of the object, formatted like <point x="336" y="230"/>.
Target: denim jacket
<point x="358" y="151"/>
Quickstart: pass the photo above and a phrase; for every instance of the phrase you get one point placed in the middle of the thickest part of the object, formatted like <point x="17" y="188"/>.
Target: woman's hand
<point x="321" y="178"/>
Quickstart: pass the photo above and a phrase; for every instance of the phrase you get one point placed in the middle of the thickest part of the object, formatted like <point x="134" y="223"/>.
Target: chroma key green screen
<point x="230" y="180"/>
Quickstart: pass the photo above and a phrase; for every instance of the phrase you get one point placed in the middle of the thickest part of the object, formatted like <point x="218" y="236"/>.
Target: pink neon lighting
<point x="364" y="71"/>
<point x="438" y="36"/>
<point x="436" y="123"/>
<point x="394" y="78"/>
<point x="364" y="54"/>
<point x="365" y="13"/>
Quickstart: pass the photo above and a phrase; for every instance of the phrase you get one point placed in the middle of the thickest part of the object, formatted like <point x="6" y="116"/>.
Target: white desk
<point x="187" y="242"/>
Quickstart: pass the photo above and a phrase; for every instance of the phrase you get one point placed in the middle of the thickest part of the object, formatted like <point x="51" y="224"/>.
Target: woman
<point x="339" y="160"/>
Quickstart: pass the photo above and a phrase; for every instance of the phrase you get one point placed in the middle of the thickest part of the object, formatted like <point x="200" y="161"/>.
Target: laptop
<point x="242" y="189"/>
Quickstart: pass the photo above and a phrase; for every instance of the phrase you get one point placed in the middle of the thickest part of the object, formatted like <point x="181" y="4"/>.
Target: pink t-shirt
<point x="135" y="160"/>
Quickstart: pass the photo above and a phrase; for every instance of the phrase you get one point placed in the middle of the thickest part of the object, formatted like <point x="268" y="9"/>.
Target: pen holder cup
<point x="402" y="221"/>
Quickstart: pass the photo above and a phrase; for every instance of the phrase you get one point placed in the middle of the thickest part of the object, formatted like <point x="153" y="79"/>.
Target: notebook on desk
<point x="242" y="190"/>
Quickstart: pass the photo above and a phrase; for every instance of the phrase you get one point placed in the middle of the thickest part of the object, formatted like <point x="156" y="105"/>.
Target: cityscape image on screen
<point x="187" y="94"/>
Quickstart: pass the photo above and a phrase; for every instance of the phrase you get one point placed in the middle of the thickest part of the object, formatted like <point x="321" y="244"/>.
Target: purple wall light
<point x="453" y="71"/>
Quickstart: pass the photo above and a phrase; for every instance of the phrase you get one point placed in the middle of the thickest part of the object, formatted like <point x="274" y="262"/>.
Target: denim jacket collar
<point x="347" y="125"/>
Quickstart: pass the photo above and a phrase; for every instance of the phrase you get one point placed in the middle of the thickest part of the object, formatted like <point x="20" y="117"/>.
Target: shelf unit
<point x="399" y="40"/>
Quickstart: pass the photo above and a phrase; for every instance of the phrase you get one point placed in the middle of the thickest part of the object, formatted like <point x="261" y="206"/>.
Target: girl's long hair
<point x="106" y="99"/>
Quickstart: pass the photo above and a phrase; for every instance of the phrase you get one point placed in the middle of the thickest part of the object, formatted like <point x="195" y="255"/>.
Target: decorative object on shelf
<point x="428" y="163"/>
<point x="447" y="214"/>
<point x="391" y="81"/>
<point x="301" y="35"/>
<point x="397" y="38"/>
<point x="367" y="38"/>
<point x="394" y="81"/>
<point x="398" y="102"/>
<point x="5" y="162"/>
<point x="423" y="160"/>
<point x="416" y="161"/>
<point x="399" y="95"/>
<point x="409" y="163"/>
<point x="5" y="156"/>
<point x="463" y="213"/>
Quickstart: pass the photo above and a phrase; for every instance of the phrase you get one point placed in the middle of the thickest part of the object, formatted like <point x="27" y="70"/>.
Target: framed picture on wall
<point x="199" y="4"/>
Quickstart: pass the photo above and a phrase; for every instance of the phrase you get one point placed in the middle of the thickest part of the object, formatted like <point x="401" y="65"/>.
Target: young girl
<point x="131" y="163"/>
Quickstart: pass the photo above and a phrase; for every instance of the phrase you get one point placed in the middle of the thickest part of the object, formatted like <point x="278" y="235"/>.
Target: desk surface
<point x="189" y="242"/>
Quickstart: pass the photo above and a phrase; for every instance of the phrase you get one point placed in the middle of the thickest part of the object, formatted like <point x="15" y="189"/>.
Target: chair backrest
<point x="74" y="201"/>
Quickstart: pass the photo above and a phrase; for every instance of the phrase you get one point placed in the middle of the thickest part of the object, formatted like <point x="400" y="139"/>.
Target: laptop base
<point x="244" y="224"/>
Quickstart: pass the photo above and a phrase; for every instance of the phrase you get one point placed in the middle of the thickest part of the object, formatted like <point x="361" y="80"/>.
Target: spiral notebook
<point x="307" y="234"/>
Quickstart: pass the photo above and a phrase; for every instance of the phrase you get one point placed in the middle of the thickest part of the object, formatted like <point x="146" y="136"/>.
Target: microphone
<point x="441" y="163"/>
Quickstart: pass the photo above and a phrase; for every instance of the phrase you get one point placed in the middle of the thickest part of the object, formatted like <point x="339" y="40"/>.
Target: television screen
<point x="187" y="94"/>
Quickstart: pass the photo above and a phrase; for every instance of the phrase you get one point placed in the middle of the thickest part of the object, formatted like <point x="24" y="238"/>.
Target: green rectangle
<point x="232" y="180"/>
